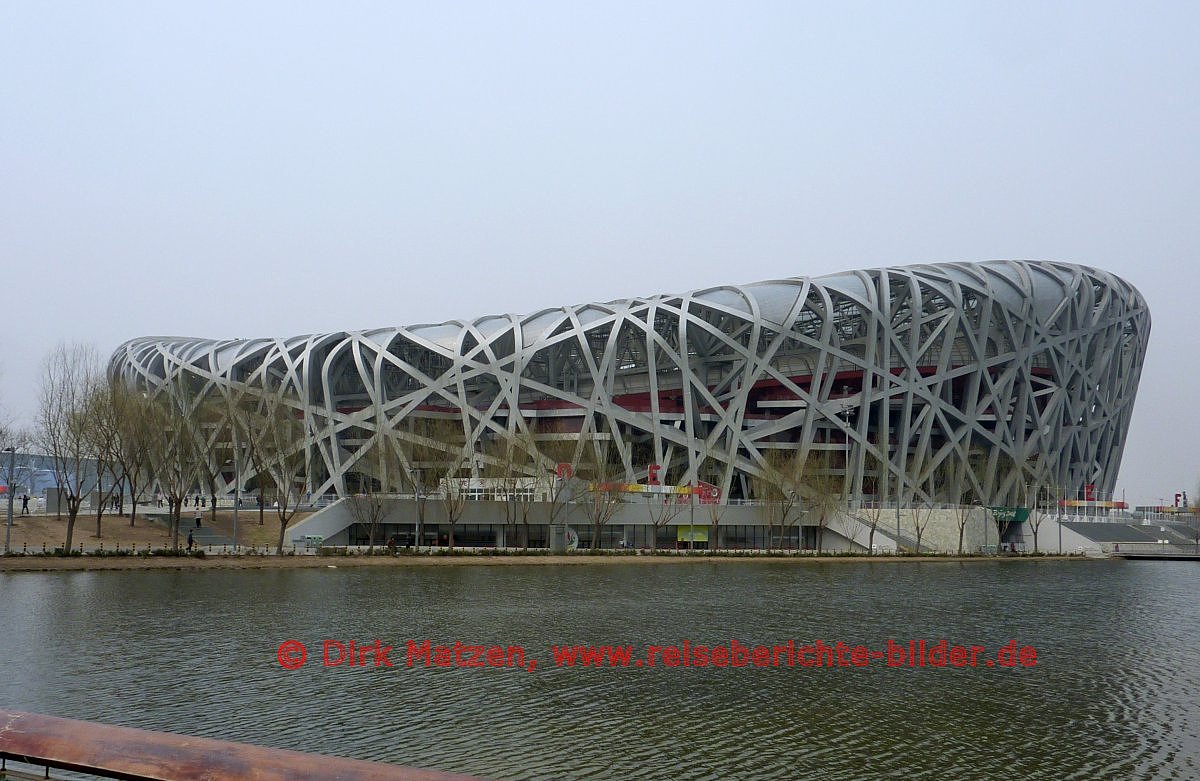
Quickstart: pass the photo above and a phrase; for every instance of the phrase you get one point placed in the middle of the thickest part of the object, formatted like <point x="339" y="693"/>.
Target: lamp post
<point x="237" y="497"/>
<point x="692" y="519"/>
<point x="1058" y="514"/>
<point x="418" y="474"/>
<point x="897" y="517"/>
<point x="846" y="407"/>
<point x="12" y="464"/>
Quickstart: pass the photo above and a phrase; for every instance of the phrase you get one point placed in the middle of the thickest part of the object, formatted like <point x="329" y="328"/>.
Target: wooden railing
<point x="134" y="754"/>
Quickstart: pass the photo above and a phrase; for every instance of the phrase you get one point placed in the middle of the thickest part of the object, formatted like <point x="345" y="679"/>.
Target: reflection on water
<point x="1112" y="695"/>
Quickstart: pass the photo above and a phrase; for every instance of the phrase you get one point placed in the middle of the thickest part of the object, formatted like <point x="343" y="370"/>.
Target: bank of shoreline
<point x="116" y="563"/>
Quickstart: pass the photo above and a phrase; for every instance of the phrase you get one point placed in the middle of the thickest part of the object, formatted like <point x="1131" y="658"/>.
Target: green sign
<point x="1010" y="514"/>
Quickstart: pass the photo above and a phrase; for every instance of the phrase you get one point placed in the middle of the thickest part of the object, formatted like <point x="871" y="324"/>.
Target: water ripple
<point x="1118" y="649"/>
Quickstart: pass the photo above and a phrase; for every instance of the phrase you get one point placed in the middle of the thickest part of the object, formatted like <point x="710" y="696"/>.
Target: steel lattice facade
<point x="911" y="383"/>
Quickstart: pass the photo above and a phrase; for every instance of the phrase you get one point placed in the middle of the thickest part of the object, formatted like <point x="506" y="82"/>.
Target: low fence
<point x="43" y="742"/>
<point x="1157" y="548"/>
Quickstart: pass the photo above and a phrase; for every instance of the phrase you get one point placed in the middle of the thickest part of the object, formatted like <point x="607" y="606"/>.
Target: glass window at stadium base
<point x="917" y="386"/>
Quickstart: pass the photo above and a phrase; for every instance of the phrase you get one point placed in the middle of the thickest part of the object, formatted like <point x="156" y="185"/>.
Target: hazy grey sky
<point x="254" y="169"/>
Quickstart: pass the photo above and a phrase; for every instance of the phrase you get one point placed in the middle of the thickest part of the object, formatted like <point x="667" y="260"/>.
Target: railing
<point x="141" y="755"/>
<point x="1155" y="548"/>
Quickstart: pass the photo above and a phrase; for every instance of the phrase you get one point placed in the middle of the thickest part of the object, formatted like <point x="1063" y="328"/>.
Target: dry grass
<point x="35" y="533"/>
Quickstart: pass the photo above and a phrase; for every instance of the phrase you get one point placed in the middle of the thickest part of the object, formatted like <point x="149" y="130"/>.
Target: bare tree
<point x="134" y="439"/>
<point x="823" y="493"/>
<point x="962" y="489"/>
<point x="524" y="489"/>
<point x="962" y="515"/>
<point x="425" y="485"/>
<point x="280" y="439"/>
<point x="852" y="524"/>
<point x="251" y="442"/>
<point x="961" y="492"/>
<point x="512" y="463"/>
<point x="920" y="516"/>
<point x="64" y="426"/>
<point x="601" y="502"/>
<point x="1004" y="518"/>
<point x="15" y="439"/>
<point x="601" y="498"/>
<point x="716" y="511"/>
<point x="454" y="500"/>
<point x="874" y="515"/>
<point x="877" y="467"/>
<point x="558" y="466"/>
<point x="1032" y="498"/>
<point x="504" y="477"/>
<point x="213" y="425"/>
<point x="371" y="503"/>
<point x="661" y="509"/>
<point x="708" y="496"/>
<point x="103" y="431"/>
<point x="174" y="449"/>
<point x="432" y="449"/>
<point x="778" y="487"/>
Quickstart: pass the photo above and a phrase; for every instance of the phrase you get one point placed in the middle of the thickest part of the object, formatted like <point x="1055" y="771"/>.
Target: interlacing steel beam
<point x="914" y="384"/>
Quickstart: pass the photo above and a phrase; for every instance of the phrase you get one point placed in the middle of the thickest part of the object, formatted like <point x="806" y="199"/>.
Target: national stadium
<point x="920" y="385"/>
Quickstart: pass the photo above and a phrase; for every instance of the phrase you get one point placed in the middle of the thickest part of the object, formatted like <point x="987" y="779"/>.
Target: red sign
<point x="709" y="493"/>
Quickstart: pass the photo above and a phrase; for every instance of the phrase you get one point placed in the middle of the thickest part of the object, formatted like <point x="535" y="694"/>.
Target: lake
<point x="1111" y="693"/>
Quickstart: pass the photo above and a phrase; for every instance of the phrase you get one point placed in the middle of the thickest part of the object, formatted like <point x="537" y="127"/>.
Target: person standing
<point x="24" y="504"/>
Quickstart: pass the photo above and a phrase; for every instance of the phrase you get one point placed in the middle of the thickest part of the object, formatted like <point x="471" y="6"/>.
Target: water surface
<point x="1111" y="696"/>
